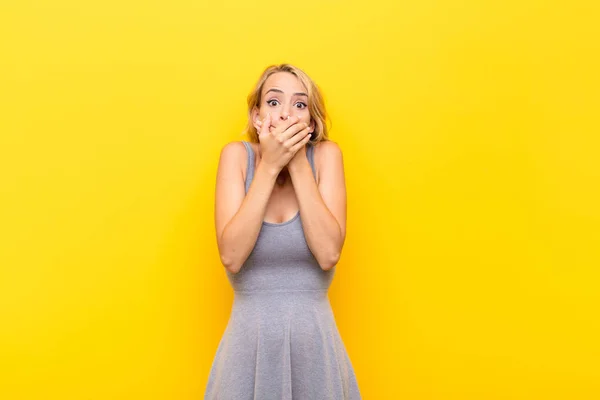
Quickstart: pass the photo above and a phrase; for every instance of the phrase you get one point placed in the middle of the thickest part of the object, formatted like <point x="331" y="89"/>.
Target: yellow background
<point x="470" y="139"/>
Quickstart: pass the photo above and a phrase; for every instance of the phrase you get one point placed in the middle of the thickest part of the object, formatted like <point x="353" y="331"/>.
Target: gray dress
<point x="281" y="341"/>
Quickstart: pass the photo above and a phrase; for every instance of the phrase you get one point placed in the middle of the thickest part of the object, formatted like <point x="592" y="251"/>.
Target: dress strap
<point x="250" y="166"/>
<point x="310" y="154"/>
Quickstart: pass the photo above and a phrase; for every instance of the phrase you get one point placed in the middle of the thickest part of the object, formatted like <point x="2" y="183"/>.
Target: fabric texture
<point x="281" y="341"/>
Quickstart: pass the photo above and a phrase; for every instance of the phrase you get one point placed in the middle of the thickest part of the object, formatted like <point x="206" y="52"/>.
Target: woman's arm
<point x="322" y="206"/>
<point x="239" y="216"/>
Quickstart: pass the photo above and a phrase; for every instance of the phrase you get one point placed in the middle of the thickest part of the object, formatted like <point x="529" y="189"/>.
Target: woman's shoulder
<point x="239" y="147"/>
<point x="326" y="149"/>
<point x="326" y="153"/>
<point x="234" y="155"/>
<point x="233" y="151"/>
<point x="326" y="146"/>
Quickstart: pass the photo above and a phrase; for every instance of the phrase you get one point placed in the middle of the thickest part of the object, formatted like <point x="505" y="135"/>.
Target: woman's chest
<point x="282" y="206"/>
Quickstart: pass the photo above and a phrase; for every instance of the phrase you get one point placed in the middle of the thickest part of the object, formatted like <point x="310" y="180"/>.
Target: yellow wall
<point x="470" y="137"/>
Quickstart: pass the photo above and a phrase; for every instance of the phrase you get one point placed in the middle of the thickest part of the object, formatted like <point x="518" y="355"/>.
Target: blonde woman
<point x="280" y="218"/>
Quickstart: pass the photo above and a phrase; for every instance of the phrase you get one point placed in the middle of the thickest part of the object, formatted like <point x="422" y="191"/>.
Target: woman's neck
<point x="283" y="177"/>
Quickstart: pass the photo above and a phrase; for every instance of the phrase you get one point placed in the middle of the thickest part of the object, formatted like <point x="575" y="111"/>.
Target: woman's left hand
<point x="298" y="157"/>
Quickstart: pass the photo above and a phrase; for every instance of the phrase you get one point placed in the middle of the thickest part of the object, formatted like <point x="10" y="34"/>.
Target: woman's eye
<point x="302" y="105"/>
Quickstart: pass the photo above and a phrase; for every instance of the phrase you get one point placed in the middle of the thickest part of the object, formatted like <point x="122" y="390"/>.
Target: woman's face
<point x="282" y="95"/>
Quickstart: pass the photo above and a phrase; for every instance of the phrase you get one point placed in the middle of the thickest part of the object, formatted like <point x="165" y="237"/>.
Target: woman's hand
<point x="299" y="157"/>
<point x="279" y="145"/>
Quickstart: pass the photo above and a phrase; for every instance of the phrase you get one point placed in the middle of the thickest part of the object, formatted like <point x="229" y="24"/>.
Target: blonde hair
<point x="316" y="105"/>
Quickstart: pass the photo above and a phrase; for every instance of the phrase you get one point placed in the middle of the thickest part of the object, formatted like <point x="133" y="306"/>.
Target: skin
<point x="279" y="191"/>
<point x="286" y="100"/>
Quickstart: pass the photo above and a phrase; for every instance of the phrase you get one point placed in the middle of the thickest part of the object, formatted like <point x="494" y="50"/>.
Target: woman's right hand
<point x="278" y="145"/>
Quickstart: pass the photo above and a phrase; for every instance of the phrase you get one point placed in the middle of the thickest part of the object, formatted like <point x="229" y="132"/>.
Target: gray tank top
<point x="281" y="259"/>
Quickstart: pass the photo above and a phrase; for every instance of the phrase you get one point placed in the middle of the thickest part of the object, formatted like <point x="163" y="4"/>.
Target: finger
<point x="282" y="126"/>
<point x="292" y="128"/>
<point x="260" y="123"/>
<point x="296" y="129"/>
<point x="304" y="134"/>
<point x="301" y="143"/>
<point x="264" y="126"/>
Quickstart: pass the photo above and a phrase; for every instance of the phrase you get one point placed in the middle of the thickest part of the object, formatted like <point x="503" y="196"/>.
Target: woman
<point x="280" y="217"/>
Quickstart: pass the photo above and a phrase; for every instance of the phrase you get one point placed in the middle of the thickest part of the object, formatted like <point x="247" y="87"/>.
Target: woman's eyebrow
<point x="281" y="91"/>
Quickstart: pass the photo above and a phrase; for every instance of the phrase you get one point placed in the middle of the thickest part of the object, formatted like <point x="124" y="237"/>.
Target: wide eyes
<point x="303" y="105"/>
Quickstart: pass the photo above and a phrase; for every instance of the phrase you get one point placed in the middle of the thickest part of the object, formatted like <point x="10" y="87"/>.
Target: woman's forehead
<point x="284" y="81"/>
